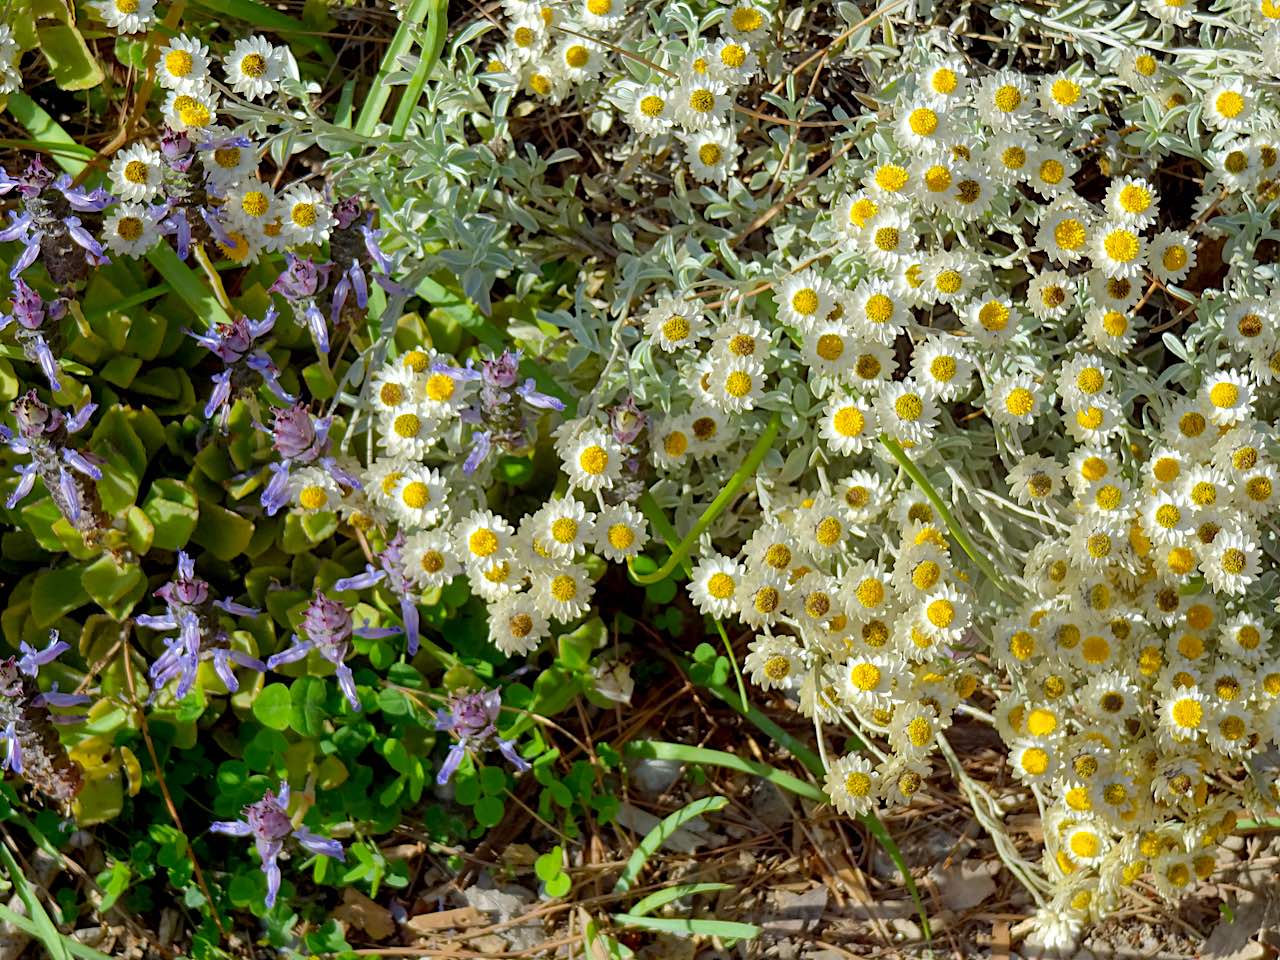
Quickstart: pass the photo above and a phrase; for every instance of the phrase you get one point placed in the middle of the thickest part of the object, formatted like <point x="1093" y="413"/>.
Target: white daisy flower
<point x="852" y="784"/>
<point x="671" y="443"/>
<point x="430" y="558"/>
<point x="421" y="497"/>
<point x="516" y="624"/>
<point x="1229" y="105"/>
<point x="127" y="16"/>
<point x="1014" y="400"/>
<point x="136" y="173"/>
<point x="1004" y="100"/>
<point x="876" y="313"/>
<point x="1132" y="200"/>
<point x="804" y="300"/>
<point x="775" y="663"/>
<point x="712" y="153"/>
<point x="848" y="425"/>
<point x="652" y="110"/>
<point x="1112" y="331"/>
<point x="564" y="527"/>
<point x="745" y="22"/>
<point x="702" y="102"/>
<point x="887" y="237"/>
<point x="183" y="64"/>
<point x="408" y="432"/>
<point x="1114" y="293"/>
<point x="192" y="111"/>
<point x="906" y="412"/>
<point x="732" y="61"/>
<point x="1227" y="395"/>
<point x="482" y="536"/>
<point x="313" y="489"/>
<point x="942" y="366"/>
<point x="579" y="60"/>
<point x="1049" y="171"/>
<point x="1051" y="294"/>
<point x="991" y="319"/>
<point x="130" y="229"/>
<point x="251" y="204"/>
<point x="499" y="576"/>
<point x="713" y="584"/>
<point x="1064" y="232"/>
<point x="945" y="80"/>
<point x="253" y="68"/>
<point x="306" y="215"/>
<point x="599" y="15"/>
<point x="922" y="126"/>
<point x="594" y="462"/>
<point x="674" y="323"/>
<point x="1231" y="563"/>
<point x="1062" y="96"/>
<point x="1036" y="479"/>
<point x="621" y="532"/>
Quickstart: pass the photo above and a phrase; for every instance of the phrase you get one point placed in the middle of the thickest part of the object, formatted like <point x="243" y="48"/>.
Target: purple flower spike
<point x="267" y="822"/>
<point x="192" y="611"/>
<point x="472" y="717"/>
<point x="329" y="629"/>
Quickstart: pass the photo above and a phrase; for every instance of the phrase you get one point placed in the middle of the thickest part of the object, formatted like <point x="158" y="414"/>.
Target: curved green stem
<point x="953" y="525"/>
<point x="718" y="505"/>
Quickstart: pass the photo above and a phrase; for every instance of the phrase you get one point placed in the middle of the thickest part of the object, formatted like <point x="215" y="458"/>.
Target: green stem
<point x="380" y="91"/>
<point x="433" y="45"/>
<point x="718" y="505"/>
<point x="953" y="525"/>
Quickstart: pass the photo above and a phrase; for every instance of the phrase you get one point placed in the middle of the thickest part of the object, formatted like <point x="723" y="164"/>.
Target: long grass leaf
<point x="27" y="926"/>
<point x="45" y="930"/>
<point x="690" y="928"/>
<point x="745" y="470"/>
<point x="661" y="898"/>
<point x="656" y="837"/>
<point x="659" y="750"/>
<point x="432" y="45"/>
<point x="268" y="18"/>
<point x="813" y="763"/>
<point x="380" y="91"/>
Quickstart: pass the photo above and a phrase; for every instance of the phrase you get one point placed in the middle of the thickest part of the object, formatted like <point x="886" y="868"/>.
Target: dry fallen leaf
<point x="360" y="912"/>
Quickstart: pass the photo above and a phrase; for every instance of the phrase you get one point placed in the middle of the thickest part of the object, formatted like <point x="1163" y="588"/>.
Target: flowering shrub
<point x="950" y="383"/>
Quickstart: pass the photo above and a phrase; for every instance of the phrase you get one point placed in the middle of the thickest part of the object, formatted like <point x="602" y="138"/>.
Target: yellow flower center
<point x="830" y="346"/>
<point x="621" y="536"/>
<point x="178" y="63"/>
<point x="849" y="422"/>
<point x="303" y="214"/>
<point x="1121" y="246"/>
<point x="577" y="56"/>
<point x="1008" y="98"/>
<point x="702" y="100"/>
<point x="1224" y="395"/>
<point x="1069" y="234"/>
<point x="709" y="154"/>
<point x="909" y="407"/>
<point x="944" y="80"/>
<point x="1230" y="104"/>
<point x="564" y="529"/>
<point x="564" y="588"/>
<point x="891" y="177"/>
<point x="1187" y="713"/>
<point x="130" y="228"/>
<point x="593" y="460"/>
<point x="805" y="302"/>
<point x="313" y="498"/>
<point x="407" y="425"/>
<point x="1064" y="92"/>
<point x="254" y="65"/>
<point x="1020" y="402"/>
<point x="652" y="105"/>
<point x="720" y="585"/>
<point x="416" y="494"/>
<point x="483" y="542"/>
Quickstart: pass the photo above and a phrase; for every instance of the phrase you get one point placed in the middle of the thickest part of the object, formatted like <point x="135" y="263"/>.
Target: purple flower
<point x="236" y="345"/>
<point x="44" y="436"/>
<point x="473" y="719"/>
<point x="502" y="408"/>
<point x="200" y="634"/>
<point x="299" y="438"/>
<point x="30" y="314"/>
<point x="328" y="628"/>
<point x="50" y="226"/>
<point x="267" y="822"/>
<point x="390" y="572"/>
<point x="29" y="743"/>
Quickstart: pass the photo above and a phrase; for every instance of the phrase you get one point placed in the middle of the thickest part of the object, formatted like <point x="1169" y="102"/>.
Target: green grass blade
<point x="432" y="46"/>
<point x="813" y="763"/>
<point x="661" y="898"/>
<point x="745" y="470"/>
<point x="659" y="750"/>
<point x="27" y="926"/>
<point x="380" y="91"/>
<point x="187" y="284"/>
<point x="66" y="153"/>
<point x="44" y="929"/>
<point x="962" y="537"/>
<point x="267" y="18"/>
<point x="726" y="929"/>
<point x="656" y="837"/>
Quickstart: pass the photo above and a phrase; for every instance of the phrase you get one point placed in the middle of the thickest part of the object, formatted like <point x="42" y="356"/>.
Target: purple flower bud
<point x="627" y="421"/>
<point x="502" y="371"/>
<point x="327" y="623"/>
<point x="174" y="145"/>
<point x="347" y="211"/>
<point x="297" y="436"/>
<point x="33" y="417"/>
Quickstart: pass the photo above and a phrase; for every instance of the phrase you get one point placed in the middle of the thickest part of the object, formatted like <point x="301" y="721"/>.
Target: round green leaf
<point x="489" y="811"/>
<point x="273" y="706"/>
<point x="558" y="886"/>
<point x="307" y="713"/>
